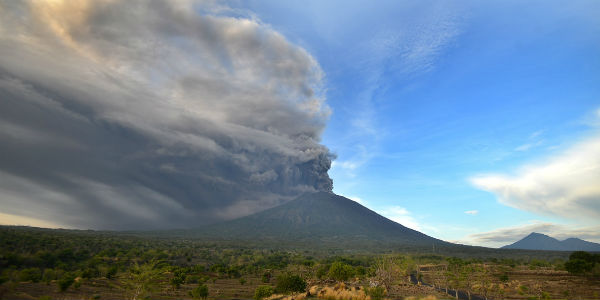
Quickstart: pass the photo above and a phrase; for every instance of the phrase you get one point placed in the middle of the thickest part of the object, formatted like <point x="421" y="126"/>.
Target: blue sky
<point x="426" y="96"/>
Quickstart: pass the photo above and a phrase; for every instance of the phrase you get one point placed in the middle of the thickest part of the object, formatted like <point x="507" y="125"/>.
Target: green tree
<point x="266" y="277"/>
<point x="580" y="262"/>
<point x="340" y="271"/>
<point x="30" y="274"/>
<point x="454" y="273"/>
<point x="200" y="292"/>
<point x="178" y="278"/>
<point x="111" y="272"/>
<point x="288" y="283"/>
<point x="322" y="271"/>
<point x="49" y="275"/>
<point x="578" y="266"/>
<point x="65" y="281"/>
<point x="263" y="291"/>
<point x="586" y="256"/>
<point x="405" y="265"/>
<point x="141" y="281"/>
<point x="192" y="279"/>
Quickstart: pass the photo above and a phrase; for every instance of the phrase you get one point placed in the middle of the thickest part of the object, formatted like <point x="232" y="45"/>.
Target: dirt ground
<point x="220" y="289"/>
<point x="108" y="289"/>
<point x="521" y="284"/>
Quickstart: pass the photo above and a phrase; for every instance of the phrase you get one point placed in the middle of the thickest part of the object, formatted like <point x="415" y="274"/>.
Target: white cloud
<point x="471" y="212"/>
<point x="534" y="141"/>
<point x="357" y="200"/>
<point x="508" y="235"/>
<point x="401" y="216"/>
<point x="348" y="165"/>
<point x="567" y="185"/>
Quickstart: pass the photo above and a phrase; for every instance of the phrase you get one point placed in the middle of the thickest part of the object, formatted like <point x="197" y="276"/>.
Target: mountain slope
<point x="575" y="244"/>
<point x="319" y="218"/>
<point x="538" y="241"/>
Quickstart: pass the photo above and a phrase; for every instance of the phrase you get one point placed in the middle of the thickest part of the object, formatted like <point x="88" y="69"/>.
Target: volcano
<point x="320" y="218"/>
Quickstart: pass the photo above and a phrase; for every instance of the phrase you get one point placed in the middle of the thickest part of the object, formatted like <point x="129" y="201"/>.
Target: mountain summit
<point x="320" y="218"/>
<point x="538" y="241"/>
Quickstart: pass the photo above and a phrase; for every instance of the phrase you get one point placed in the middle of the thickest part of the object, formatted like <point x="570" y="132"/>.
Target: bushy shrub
<point x="30" y="274"/>
<point x="288" y="283"/>
<point x="263" y="291"/>
<point x="537" y="263"/>
<point x="66" y="281"/>
<point x="322" y="271"/>
<point x="49" y="275"/>
<point x="90" y="273"/>
<point x="581" y="262"/>
<point x="266" y="277"/>
<point x="200" y="292"/>
<point x="340" y="271"/>
<point x="578" y="266"/>
<point x="178" y="278"/>
<point x="376" y="293"/>
<point x="192" y="279"/>
<point x="111" y="272"/>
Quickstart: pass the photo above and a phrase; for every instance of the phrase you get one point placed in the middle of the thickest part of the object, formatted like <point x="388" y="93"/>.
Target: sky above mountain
<point x="476" y="122"/>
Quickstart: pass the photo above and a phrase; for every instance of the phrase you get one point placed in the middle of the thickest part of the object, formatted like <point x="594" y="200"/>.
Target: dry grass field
<point x="525" y="283"/>
<point x="522" y="284"/>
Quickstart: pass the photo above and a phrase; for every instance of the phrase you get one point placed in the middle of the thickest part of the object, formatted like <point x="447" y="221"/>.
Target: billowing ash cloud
<point x="152" y="114"/>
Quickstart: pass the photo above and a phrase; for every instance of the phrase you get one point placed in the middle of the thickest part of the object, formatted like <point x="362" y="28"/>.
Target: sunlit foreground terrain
<point x="72" y="264"/>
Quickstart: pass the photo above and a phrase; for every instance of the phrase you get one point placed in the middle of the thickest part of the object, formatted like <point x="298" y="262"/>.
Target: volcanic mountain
<point x="538" y="241"/>
<point x="322" y="219"/>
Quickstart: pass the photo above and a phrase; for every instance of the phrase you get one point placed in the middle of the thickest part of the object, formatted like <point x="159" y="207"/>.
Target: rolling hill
<point x="538" y="241"/>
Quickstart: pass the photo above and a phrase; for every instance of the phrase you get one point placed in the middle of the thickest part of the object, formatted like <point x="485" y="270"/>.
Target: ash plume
<point x="153" y="114"/>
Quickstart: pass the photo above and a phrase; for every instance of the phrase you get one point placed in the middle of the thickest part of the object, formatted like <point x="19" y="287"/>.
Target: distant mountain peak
<point x="540" y="241"/>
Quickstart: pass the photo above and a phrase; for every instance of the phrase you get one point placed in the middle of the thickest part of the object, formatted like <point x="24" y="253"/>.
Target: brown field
<point x="523" y="283"/>
<point x="111" y="289"/>
<point x="220" y="289"/>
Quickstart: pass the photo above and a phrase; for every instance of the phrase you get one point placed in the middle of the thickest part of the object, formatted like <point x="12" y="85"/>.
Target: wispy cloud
<point x="533" y="141"/>
<point x="389" y="57"/>
<point x="566" y="185"/>
<point x="471" y="212"/>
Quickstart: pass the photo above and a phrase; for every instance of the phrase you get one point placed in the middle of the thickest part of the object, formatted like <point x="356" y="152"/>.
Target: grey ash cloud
<point x="153" y="114"/>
